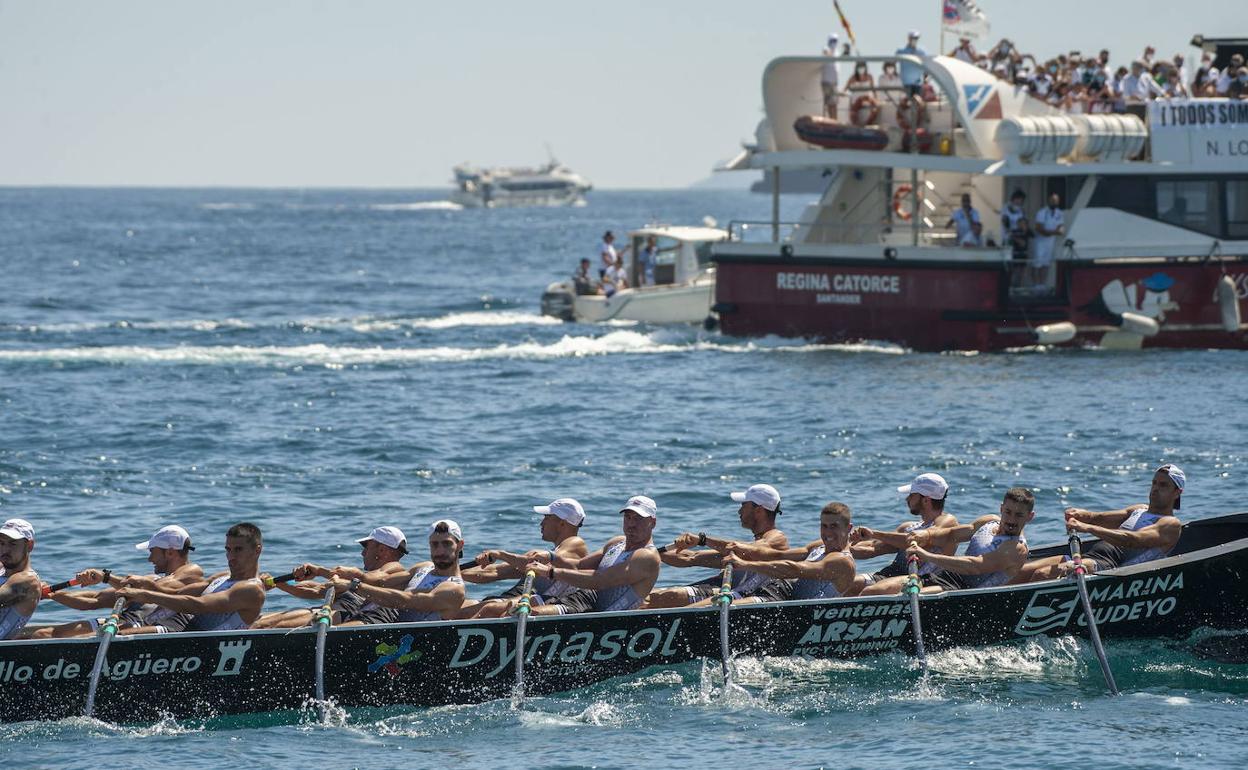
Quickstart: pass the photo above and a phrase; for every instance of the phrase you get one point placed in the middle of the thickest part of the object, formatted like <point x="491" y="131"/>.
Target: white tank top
<point x="422" y="582"/>
<point x="11" y="621"/>
<point x="219" y="621"/>
<point x="618" y="598"/>
<point x="899" y="563"/>
<point x="1139" y="519"/>
<point x="816" y="589"/>
<point x="986" y="540"/>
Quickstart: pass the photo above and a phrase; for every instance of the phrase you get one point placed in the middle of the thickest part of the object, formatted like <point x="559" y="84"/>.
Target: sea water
<point x="325" y="362"/>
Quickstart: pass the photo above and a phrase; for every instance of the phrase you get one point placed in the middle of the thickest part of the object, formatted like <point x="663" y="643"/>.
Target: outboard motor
<point x="557" y="300"/>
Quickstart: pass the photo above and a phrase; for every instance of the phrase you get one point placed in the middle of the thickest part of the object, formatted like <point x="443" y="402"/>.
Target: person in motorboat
<point x="996" y="549"/>
<point x="1131" y="535"/>
<point x="168" y="550"/>
<point x="616" y="577"/>
<point x="560" y="526"/>
<point x="826" y="570"/>
<point x="19" y="583"/>
<point x="380" y="552"/>
<point x="429" y="590"/>
<point x="759" y="507"/>
<point x="646" y="260"/>
<point x="228" y="601"/>
<point x="582" y="282"/>
<point x="607" y="253"/>
<point x="829" y="78"/>
<point x="615" y="277"/>
<point x="925" y="498"/>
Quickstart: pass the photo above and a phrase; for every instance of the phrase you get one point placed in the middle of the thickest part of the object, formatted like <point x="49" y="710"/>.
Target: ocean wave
<point x="614" y="343"/>
<point x="190" y="324"/>
<point x="228" y="206"/>
<point x="453" y="320"/>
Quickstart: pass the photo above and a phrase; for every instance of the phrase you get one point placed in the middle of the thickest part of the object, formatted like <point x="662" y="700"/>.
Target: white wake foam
<point x="417" y="206"/>
<point x="615" y="343"/>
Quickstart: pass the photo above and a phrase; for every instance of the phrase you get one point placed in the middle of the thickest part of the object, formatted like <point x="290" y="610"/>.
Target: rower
<point x="925" y="498"/>
<point x="430" y="590"/>
<point x="1131" y="535"/>
<point x="381" y="552"/>
<point x="169" y="552"/>
<point x="616" y="577"/>
<point x="19" y="584"/>
<point x="230" y="600"/>
<point x="560" y="526"/>
<point x="828" y="570"/>
<point x="760" y="505"/>
<point x="995" y="549"/>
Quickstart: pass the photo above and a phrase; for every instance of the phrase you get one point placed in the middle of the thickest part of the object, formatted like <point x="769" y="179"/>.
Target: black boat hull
<point x="201" y="676"/>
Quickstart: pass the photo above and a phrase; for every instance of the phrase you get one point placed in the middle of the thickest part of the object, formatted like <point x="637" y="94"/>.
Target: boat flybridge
<point x="552" y="184"/>
<point x="1155" y="206"/>
<point x="682" y="290"/>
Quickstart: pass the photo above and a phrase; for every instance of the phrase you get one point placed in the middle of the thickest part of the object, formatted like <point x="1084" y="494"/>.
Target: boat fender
<point x="1139" y="324"/>
<point x="901" y="197"/>
<point x="855" y="111"/>
<point x="1229" y="300"/>
<point x="1055" y="333"/>
<point x="710" y="323"/>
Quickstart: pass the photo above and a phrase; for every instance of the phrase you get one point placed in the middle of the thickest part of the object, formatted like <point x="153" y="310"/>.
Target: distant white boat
<point x="552" y="184"/>
<point x="683" y="290"/>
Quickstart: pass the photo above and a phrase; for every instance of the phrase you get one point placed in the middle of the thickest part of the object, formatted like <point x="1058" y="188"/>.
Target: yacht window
<point x="704" y="253"/>
<point x="1192" y="204"/>
<point x="1237" y="208"/>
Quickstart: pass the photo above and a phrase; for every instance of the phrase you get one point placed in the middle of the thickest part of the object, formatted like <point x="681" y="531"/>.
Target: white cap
<point x="451" y="526"/>
<point x="833" y="38"/>
<point x="171" y="536"/>
<point x="931" y="485"/>
<point x="388" y="536"/>
<point x="642" y="506"/>
<point x="913" y="33"/>
<point x="565" y="508"/>
<point x="18" y="529"/>
<point x="760" y="494"/>
<point x="1175" y="473"/>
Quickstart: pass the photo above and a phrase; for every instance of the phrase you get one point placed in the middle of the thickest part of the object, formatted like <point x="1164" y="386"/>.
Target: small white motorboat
<point x="682" y="291"/>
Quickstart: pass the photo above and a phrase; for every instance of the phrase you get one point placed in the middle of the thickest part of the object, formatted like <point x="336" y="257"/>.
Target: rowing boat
<point x="205" y="675"/>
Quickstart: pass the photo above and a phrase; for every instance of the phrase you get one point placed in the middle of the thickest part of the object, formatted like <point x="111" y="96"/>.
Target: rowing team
<point x="570" y="579"/>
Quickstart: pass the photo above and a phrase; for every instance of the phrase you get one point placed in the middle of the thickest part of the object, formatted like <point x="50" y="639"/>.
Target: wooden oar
<point x="725" y="602"/>
<point x="107" y="631"/>
<point x="912" y="589"/>
<point x="522" y="619"/>
<point x="1081" y="578"/>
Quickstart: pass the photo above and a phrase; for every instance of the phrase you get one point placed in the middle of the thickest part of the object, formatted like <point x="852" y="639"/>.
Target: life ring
<point x="903" y="119"/>
<point x="899" y="197"/>
<point x="855" y="109"/>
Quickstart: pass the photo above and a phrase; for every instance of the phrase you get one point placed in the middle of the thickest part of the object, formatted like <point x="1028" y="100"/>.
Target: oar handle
<point x="61" y="586"/>
<point x="526" y="594"/>
<point x="463" y="565"/>
<point x="271" y="582"/>
<point x="666" y="548"/>
<point x="725" y="586"/>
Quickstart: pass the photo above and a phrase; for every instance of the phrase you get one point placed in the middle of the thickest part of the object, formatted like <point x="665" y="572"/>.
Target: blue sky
<point x="383" y="93"/>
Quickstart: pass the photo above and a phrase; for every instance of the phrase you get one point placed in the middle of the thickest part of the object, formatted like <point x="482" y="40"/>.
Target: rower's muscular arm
<point x="490" y="573"/>
<point x="443" y="597"/>
<point x="706" y="558"/>
<point x="242" y="598"/>
<point x="1164" y="534"/>
<point x="1007" y="559"/>
<point x="760" y="552"/>
<point x="21" y="589"/>
<point x="1108" y="519"/>
<point x="835" y="568"/>
<point x="642" y="565"/>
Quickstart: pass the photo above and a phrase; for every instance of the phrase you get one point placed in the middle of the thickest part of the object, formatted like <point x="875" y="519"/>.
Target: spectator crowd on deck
<point x="1068" y="81"/>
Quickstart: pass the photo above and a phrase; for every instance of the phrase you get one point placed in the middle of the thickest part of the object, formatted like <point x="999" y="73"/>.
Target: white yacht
<point x="552" y="184"/>
<point x="682" y="291"/>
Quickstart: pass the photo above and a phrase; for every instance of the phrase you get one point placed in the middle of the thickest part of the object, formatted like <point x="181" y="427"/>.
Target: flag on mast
<point x="845" y="23"/>
<point x="964" y="19"/>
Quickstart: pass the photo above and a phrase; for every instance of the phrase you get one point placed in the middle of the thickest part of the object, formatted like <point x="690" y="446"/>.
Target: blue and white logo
<point x="975" y="96"/>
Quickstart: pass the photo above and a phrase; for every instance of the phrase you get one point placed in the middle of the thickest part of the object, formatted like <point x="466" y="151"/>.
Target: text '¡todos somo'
<point x="841" y="282"/>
